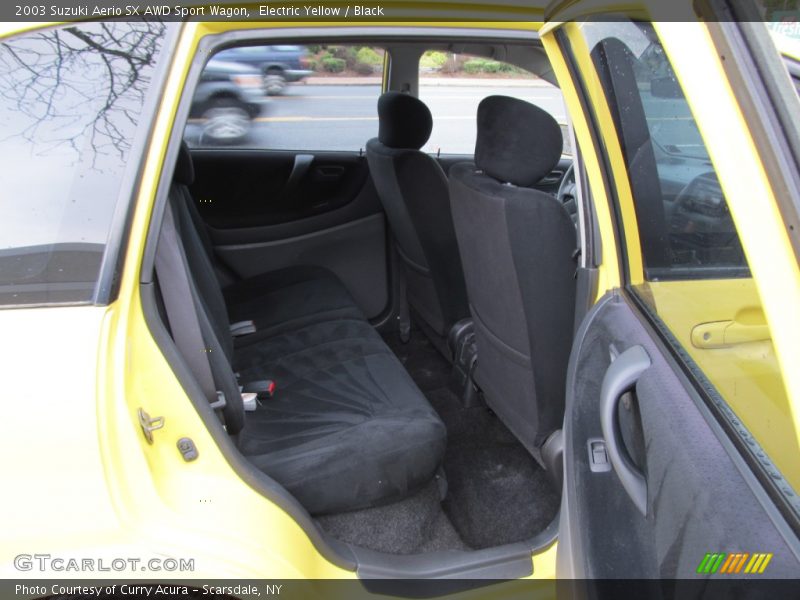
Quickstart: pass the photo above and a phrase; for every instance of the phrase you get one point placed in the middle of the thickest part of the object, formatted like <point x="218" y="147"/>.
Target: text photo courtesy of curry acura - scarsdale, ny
<point x="393" y="299"/>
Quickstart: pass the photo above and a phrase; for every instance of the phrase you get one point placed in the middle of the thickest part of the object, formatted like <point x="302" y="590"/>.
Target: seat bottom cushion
<point x="289" y="298"/>
<point x="347" y="427"/>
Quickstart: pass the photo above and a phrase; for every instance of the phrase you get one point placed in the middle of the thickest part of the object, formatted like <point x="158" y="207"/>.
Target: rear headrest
<point x="518" y="143"/>
<point x="404" y="121"/>
<point x="184" y="169"/>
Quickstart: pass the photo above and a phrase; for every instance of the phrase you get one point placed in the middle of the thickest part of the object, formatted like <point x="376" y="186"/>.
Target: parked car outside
<point x="279" y="65"/>
<point x="228" y="97"/>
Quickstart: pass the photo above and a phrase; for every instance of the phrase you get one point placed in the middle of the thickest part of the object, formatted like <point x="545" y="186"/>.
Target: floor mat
<point x="414" y="525"/>
<point x="429" y="370"/>
<point x="497" y="493"/>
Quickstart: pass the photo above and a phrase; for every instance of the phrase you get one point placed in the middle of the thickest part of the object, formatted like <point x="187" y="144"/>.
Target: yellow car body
<point x="84" y="481"/>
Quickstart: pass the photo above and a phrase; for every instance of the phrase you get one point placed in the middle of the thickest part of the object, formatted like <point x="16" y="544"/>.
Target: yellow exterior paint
<point x="751" y="201"/>
<point x="144" y="500"/>
<point x="747" y="375"/>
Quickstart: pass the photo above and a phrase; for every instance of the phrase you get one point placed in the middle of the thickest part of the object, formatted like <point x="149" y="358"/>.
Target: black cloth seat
<point x="347" y="427"/>
<point x="413" y="190"/>
<point x="517" y="246"/>
<point x="289" y="298"/>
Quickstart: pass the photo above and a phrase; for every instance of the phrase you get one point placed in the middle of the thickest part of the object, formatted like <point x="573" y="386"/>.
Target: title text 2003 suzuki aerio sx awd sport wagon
<point x="483" y="298"/>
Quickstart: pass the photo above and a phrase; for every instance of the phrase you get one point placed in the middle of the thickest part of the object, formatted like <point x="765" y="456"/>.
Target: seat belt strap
<point x="179" y="304"/>
<point x="403" y="310"/>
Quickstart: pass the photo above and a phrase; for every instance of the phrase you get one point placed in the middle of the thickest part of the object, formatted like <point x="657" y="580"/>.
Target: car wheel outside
<point x="226" y="122"/>
<point x="274" y="82"/>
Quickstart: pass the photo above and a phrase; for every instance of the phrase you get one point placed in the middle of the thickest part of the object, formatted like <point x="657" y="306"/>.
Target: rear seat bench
<point x="288" y="299"/>
<point x="347" y="427"/>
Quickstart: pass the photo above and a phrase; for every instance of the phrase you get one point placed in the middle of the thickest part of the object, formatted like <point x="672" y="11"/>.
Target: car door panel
<point x="269" y="210"/>
<point x="245" y="188"/>
<point x="699" y="497"/>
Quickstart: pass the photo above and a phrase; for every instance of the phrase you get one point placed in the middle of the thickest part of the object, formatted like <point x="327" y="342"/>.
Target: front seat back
<point x="517" y="246"/>
<point x="413" y="190"/>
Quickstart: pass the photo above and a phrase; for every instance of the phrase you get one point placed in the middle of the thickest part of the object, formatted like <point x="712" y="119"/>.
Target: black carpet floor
<point x="496" y="492"/>
<point x="414" y="525"/>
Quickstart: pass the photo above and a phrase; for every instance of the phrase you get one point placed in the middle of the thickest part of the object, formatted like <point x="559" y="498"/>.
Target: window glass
<point x="685" y="227"/>
<point x="70" y="104"/>
<point x="312" y="98"/>
<point x="453" y="84"/>
<point x="696" y="278"/>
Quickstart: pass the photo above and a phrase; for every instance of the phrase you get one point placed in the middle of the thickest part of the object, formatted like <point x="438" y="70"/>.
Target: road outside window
<point x="453" y="84"/>
<point x="316" y="97"/>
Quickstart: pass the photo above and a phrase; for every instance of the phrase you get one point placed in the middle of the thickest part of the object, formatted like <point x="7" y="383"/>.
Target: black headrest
<point x="184" y="169"/>
<point x="404" y="121"/>
<point x="518" y="143"/>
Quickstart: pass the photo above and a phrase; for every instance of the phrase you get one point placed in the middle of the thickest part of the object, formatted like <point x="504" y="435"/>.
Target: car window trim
<point x="606" y="171"/>
<point x="110" y="274"/>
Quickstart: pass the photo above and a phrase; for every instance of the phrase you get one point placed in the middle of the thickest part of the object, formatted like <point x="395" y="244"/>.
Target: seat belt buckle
<point x="241" y="328"/>
<point x="264" y="389"/>
<point x="250" y="401"/>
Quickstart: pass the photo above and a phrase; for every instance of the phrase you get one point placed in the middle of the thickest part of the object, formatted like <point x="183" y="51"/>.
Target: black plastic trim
<point x="593" y="248"/>
<point x="575" y="557"/>
<point x="599" y="149"/>
<point x="473" y="569"/>
<point x="388" y="320"/>
<point x="587" y="282"/>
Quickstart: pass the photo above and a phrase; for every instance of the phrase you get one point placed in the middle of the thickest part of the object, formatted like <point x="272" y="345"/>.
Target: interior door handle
<point x="621" y="377"/>
<point x="302" y="163"/>
<point x="720" y="334"/>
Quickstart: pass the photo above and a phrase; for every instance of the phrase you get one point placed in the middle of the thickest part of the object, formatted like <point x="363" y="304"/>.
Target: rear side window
<point x="290" y="98"/>
<point x="70" y="105"/>
<point x="452" y="84"/>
